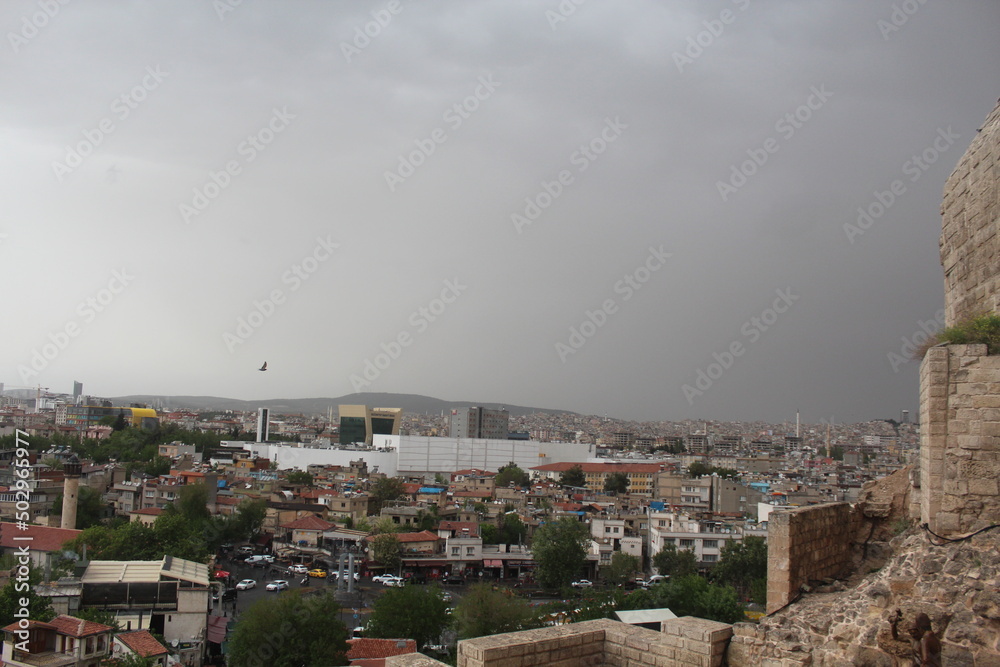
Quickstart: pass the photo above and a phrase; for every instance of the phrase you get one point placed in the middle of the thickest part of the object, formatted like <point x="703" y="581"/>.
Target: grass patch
<point x="978" y="330"/>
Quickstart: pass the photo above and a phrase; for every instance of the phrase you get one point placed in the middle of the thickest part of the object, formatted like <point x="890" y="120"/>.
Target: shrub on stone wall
<point x="981" y="329"/>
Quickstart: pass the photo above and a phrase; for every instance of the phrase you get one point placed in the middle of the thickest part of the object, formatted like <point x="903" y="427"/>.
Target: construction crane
<point x="38" y="392"/>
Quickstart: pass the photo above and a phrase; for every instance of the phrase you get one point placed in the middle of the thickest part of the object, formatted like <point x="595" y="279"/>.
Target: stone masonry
<point x="806" y="544"/>
<point x="960" y="440"/>
<point x="970" y="244"/>
<point x="601" y="643"/>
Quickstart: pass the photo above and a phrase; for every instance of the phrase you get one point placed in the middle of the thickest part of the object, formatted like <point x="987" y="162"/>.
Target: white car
<point x="336" y="575"/>
<point x="246" y="584"/>
<point x="382" y="578"/>
<point x="298" y="569"/>
<point x="277" y="585"/>
<point x="582" y="583"/>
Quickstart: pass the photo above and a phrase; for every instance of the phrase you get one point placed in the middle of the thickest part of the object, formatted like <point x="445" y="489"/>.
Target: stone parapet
<point x="807" y="544"/>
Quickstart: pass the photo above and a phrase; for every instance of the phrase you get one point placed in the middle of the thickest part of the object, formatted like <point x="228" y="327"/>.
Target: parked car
<point x="246" y="584"/>
<point x="382" y="578"/>
<point x="319" y="574"/>
<point x="657" y="578"/>
<point x="245" y="551"/>
<point x="395" y="583"/>
<point x="298" y="569"/>
<point x="582" y="583"/>
<point x="259" y="561"/>
<point x="336" y="575"/>
<point x="277" y="585"/>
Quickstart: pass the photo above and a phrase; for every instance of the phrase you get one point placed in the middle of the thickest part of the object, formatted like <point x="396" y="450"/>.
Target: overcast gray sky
<point x="578" y="205"/>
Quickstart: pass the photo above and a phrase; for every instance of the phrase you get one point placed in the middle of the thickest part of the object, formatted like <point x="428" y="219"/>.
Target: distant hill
<point x="412" y="403"/>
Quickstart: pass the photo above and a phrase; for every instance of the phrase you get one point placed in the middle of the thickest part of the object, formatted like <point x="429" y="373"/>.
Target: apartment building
<point x="705" y="537"/>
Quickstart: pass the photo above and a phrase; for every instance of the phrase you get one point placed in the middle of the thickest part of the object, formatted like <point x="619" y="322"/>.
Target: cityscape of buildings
<point x="447" y="461"/>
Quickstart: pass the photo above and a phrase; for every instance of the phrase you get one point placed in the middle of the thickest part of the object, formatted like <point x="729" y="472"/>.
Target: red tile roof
<point x="309" y="523"/>
<point x="422" y="536"/>
<point x="77" y="627"/>
<point x="368" y="649"/>
<point x="142" y="643"/>
<point x="472" y="494"/>
<point x="152" y="511"/>
<point x="457" y="526"/>
<point x="43" y="538"/>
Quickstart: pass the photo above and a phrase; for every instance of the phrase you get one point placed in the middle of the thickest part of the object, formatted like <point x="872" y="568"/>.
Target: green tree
<point x="386" y="550"/>
<point x="512" y="529"/>
<point x="560" y="551"/>
<point x="160" y="465"/>
<point x="192" y="503"/>
<point x="89" y="507"/>
<point x="384" y="490"/>
<point x="299" y="477"/>
<point x="742" y="563"/>
<point x="511" y="474"/>
<point x="484" y="611"/>
<point x="490" y="533"/>
<point x="120" y="423"/>
<point x="622" y="568"/>
<point x="19" y="588"/>
<point x="573" y="476"/>
<point x="616" y="482"/>
<point x="674" y="562"/>
<point x="290" y="630"/>
<point x="693" y="595"/>
<point x="413" y="612"/>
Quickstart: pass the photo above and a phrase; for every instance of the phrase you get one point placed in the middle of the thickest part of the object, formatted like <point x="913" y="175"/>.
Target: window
<point x="454" y="551"/>
<point x="662" y="523"/>
<point x="710" y="558"/>
<point x="710" y="544"/>
<point x="470" y="551"/>
<point x="687" y="543"/>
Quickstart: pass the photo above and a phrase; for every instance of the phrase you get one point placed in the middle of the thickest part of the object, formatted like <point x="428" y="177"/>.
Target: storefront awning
<point x="492" y="563"/>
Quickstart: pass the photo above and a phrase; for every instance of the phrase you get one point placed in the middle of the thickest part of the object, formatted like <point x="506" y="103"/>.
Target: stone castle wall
<point x="960" y="439"/>
<point x="807" y="544"/>
<point x="970" y="244"/>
